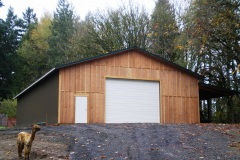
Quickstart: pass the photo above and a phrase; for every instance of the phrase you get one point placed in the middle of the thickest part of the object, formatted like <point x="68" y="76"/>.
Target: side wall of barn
<point x="40" y="103"/>
<point x="179" y="97"/>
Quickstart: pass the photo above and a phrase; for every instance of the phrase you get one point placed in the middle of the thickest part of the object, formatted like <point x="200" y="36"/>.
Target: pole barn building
<point x="126" y="86"/>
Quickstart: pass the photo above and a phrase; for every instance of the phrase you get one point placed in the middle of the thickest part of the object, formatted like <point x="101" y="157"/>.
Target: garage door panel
<point x="132" y="101"/>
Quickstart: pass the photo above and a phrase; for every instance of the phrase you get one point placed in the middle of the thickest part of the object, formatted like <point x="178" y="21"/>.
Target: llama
<point x="24" y="140"/>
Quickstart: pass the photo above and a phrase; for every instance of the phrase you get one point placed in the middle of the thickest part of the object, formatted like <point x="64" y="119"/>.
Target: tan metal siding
<point x="178" y="91"/>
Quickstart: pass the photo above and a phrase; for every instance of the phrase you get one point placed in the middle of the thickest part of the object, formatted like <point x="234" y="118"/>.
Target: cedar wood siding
<point x="40" y="103"/>
<point x="179" y="96"/>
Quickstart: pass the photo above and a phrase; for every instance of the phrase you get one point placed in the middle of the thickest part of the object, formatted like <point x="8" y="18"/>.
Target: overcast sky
<point x="81" y="6"/>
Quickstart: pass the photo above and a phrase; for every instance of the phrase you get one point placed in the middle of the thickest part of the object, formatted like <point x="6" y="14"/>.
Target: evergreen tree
<point x="10" y="36"/>
<point x="29" y="17"/>
<point x="164" y="31"/>
<point x="62" y="29"/>
<point x="30" y="21"/>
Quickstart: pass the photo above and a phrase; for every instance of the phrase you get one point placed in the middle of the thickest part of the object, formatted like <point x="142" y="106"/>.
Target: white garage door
<point x="132" y="101"/>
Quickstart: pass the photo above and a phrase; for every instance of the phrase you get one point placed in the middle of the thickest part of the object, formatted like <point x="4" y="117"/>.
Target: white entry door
<point x="81" y="109"/>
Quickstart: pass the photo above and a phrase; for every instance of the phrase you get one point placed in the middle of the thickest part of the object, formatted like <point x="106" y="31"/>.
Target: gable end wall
<point x="179" y="97"/>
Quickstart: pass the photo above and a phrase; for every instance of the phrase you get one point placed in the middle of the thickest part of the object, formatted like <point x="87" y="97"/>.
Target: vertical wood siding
<point x="178" y="91"/>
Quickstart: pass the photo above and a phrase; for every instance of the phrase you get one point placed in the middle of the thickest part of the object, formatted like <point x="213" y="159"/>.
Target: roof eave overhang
<point x="207" y="91"/>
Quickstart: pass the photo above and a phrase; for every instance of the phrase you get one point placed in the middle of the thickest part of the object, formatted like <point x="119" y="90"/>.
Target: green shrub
<point x="8" y="107"/>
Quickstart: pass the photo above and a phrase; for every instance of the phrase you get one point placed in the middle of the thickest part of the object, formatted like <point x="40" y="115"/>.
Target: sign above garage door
<point x="132" y="101"/>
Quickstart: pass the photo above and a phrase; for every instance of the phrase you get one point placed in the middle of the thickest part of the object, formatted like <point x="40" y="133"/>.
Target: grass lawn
<point x="2" y="127"/>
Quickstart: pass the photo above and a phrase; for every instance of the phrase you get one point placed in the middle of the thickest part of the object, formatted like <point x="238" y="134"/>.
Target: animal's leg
<point x="27" y="152"/>
<point x="20" y="148"/>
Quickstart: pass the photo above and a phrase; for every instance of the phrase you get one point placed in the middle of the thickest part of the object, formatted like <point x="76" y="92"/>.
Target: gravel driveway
<point x="153" y="141"/>
<point x="138" y="141"/>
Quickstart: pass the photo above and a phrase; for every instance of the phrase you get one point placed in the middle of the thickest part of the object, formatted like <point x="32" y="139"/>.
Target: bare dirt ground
<point x="128" y="141"/>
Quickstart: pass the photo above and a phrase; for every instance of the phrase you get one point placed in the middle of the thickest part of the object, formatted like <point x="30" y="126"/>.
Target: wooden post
<point x="201" y="112"/>
<point x="209" y="103"/>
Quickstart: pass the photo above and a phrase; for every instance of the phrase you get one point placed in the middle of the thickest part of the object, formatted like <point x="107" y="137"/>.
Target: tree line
<point x="203" y="37"/>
